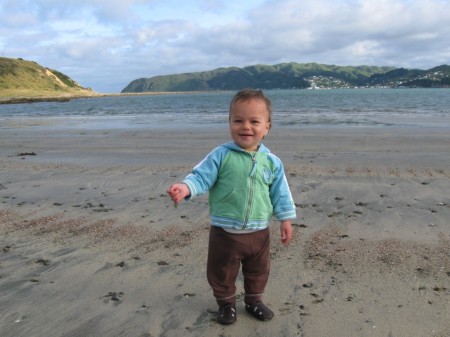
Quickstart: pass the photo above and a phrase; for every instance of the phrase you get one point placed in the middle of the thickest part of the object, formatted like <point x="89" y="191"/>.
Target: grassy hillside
<point x="26" y="79"/>
<point x="279" y="76"/>
<point x="294" y="76"/>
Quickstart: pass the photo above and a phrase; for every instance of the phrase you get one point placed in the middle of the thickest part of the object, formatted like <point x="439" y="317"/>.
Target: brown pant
<point x="227" y="252"/>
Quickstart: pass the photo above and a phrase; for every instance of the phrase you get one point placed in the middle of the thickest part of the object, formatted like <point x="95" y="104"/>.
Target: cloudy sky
<point x="105" y="44"/>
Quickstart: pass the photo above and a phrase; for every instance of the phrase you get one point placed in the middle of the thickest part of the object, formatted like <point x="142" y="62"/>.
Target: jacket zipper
<point x="250" y="194"/>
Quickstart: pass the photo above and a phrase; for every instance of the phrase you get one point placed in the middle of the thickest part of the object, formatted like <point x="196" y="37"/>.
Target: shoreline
<point x="64" y="97"/>
<point x="88" y="233"/>
<point x="68" y="97"/>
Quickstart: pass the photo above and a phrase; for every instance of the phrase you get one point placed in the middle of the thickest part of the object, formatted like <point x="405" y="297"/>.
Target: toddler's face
<point x="249" y="123"/>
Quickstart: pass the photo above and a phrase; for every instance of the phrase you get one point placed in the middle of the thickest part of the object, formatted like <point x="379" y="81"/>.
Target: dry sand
<point x="90" y="245"/>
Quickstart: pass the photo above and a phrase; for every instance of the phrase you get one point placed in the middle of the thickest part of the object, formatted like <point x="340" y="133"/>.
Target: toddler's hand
<point x="178" y="192"/>
<point x="286" y="231"/>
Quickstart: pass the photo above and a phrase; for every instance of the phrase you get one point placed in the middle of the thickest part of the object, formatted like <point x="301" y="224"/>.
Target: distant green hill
<point x="27" y="81"/>
<point x="293" y="75"/>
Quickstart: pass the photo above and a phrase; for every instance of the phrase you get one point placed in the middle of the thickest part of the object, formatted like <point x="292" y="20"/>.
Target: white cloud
<point x="106" y="44"/>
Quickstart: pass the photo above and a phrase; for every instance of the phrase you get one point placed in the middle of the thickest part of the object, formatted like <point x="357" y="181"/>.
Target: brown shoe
<point x="259" y="311"/>
<point x="227" y="314"/>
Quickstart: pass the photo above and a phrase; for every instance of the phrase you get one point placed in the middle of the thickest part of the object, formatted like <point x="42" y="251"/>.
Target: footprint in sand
<point x="113" y="297"/>
<point x="42" y="262"/>
<point x="8" y="248"/>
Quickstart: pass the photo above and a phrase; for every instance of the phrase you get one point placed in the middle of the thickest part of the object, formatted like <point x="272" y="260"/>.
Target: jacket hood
<point x="232" y="146"/>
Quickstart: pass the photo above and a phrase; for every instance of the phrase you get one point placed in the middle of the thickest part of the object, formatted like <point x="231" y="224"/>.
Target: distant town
<point x="330" y="82"/>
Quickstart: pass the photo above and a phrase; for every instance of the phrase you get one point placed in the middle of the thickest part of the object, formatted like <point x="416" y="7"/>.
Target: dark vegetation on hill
<point x="294" y="76"/>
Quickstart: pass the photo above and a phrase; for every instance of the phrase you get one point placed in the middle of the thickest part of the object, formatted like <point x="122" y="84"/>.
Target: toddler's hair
<point x="248" y="94"/>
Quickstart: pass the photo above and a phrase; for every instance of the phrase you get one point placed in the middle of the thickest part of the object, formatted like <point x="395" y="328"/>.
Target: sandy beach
<point x="91" y="245"/>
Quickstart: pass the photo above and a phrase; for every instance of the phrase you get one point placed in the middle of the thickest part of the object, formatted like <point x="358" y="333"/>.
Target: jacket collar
<point x="231" y="145"/>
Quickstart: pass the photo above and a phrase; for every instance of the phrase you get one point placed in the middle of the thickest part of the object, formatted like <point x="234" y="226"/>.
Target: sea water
<point x="291" y="108"/>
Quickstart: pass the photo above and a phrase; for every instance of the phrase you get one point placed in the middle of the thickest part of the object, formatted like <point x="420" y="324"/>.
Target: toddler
<point x="247" y="185"/>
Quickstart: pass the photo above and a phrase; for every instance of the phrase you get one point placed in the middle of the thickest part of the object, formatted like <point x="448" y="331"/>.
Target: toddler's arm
<point x="178" y="192"/>
<point x="286" y="231"/>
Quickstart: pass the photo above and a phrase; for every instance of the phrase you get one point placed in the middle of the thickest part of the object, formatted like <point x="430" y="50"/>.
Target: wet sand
<point x="90" y="245"/>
